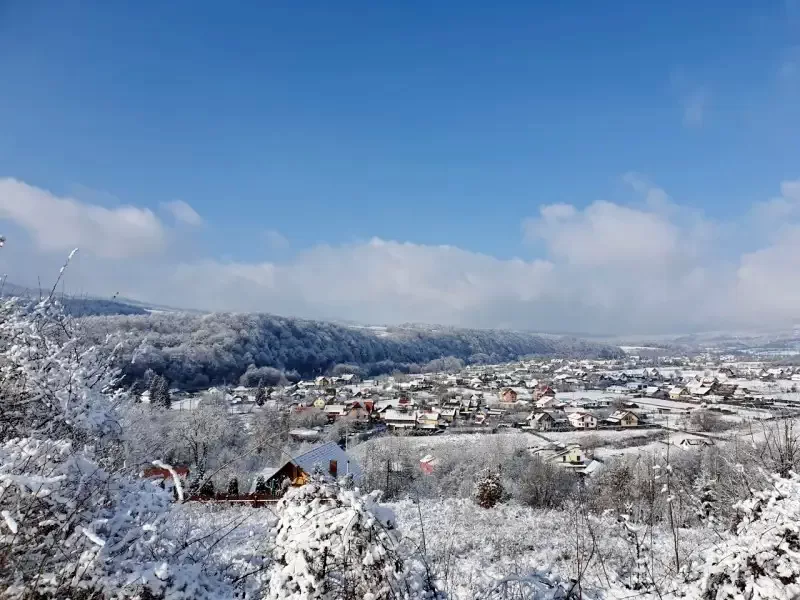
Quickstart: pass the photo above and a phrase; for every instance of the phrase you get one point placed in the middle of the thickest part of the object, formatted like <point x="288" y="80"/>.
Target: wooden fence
<point x="254" y="500"/>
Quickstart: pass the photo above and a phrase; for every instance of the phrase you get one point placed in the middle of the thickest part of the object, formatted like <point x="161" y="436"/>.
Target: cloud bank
<point x="649" y="267"/>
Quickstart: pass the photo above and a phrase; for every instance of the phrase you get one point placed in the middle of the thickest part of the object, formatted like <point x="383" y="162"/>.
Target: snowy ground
<point x="467" y="546"/>
<point x="470" y="546"/>
<point x="235" y="540"/>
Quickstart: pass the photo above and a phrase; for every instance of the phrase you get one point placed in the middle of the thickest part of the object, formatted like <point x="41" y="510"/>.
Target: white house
<point x="582" y="420"/>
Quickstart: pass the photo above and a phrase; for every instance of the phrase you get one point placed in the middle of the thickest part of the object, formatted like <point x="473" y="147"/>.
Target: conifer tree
<point x="163" y="396"/>
<point x="155" y="384"/>
<point x="261" y="394"/>
<point x="488" y="489"/>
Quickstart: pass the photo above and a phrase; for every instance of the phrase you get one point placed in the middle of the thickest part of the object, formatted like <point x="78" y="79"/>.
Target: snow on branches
<point x="335" y="544"/>
<point x="49" y="383"/>
<point x="78" y="529"/>
<point x="488" y="489"/>
<point x="762" y="561"/>
<point x="74" y="524"/>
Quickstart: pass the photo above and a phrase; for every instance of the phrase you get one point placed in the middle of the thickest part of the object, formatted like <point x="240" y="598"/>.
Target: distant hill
<point x="79" y="306"/>
<point x="195" y="351"/>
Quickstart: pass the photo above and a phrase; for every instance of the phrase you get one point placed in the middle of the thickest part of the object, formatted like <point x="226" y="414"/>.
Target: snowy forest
<point x="194" y="351"/>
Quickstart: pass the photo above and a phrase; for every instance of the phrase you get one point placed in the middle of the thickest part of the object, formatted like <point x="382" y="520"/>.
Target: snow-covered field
<point x="237" y="540"/>
<point x="470" y="546"/>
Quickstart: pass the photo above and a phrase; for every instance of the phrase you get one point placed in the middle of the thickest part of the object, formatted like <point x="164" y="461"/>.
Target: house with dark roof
<point x="329" y="458"/>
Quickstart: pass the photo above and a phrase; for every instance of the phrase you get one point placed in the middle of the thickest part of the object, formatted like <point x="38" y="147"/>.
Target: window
<point x="333" y="468"/>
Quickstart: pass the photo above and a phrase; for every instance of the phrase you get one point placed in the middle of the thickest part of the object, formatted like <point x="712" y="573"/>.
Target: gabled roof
<point x="396" y="415"/>
<point x="323" y="455"/>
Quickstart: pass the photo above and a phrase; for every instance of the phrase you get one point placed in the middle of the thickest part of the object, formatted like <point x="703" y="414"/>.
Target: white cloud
<point x="774" y="212"/>
<point x="275" y="239"/>
<point x="182" y="212"/>
<point x="651" y="266"/>
<point x="59" y="224"/>
<point x="376" y="281"/>
<point x="605" y="235"/>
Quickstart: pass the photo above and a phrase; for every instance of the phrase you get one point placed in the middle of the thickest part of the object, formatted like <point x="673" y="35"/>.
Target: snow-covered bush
<point x="488" y="489"/>
<point x="538" y="585"/>
<point x="71" y="529"/>
<point x="334" y="544"/>
<point x="50" y="384"/>
<point x="762" y="561"/>
<point x="74" y="523"/>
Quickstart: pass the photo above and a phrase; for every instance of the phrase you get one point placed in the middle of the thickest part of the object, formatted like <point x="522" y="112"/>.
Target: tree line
<point x="195" y="351"/>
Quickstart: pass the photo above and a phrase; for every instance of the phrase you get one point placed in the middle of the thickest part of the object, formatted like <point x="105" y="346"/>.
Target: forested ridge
<point x="195" y="351"/>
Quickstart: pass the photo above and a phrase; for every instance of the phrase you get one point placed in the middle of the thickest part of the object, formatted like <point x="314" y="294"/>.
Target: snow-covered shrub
<point x="332" y="543"/>
<point x="50" y="384"/>
<point x="488" y="489"/>
<point x="71" y="529"/>
<point x="74" y="524"/>
<point x="538" y="585"/>
<point x="762" y="561"/>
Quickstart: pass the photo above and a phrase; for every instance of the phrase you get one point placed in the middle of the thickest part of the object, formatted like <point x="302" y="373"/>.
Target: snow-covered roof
<point x="395" y="415"/>
<point x="325" y="453"/>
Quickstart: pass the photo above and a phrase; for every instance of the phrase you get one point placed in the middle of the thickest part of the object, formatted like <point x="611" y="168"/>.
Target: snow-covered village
<point x="666" y="475"/>
<point x="400" y="300"/>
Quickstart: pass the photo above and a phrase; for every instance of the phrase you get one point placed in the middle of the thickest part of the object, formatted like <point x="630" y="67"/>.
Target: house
<point x="397" y="419"/>
<point x="349" y="378"/>
<point x="335" y="411"/>
<point x="617" y="389"/>
<point x="569" y="457"/>
<point x="623" y="418"/>
<point x="559" y="453"/>
<point x="547" y="402"/>
<point x="725" y="390"/>
<point x="329" y="459"/>
<point x="428" y="419"/>
<point x="582" y="420"/>
<point x="541" y="421"/>
<point x="702" y="390"/>
<point x="322" y="382"/>
<point x="448" y="415"/>
<point x="653" y="391"/>
<point x="508" y="395"/>
<point x="678" y="392"/>
<point x="543" y="391"/>
<point x="428" y="464"/>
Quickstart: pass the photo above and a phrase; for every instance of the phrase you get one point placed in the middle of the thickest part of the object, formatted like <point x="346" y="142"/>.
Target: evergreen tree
<point x="163" y="398"/>
<point x="207" y="489"/>
<point x="261" y="485"/>
<point x="233" y="487"/>
<point x="261" y="394"/>
<point x="155" y="384"/>
<point x="488" y="489"/>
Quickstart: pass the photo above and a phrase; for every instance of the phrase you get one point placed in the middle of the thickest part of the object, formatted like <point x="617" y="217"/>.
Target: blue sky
<point x="288" y="128"/>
